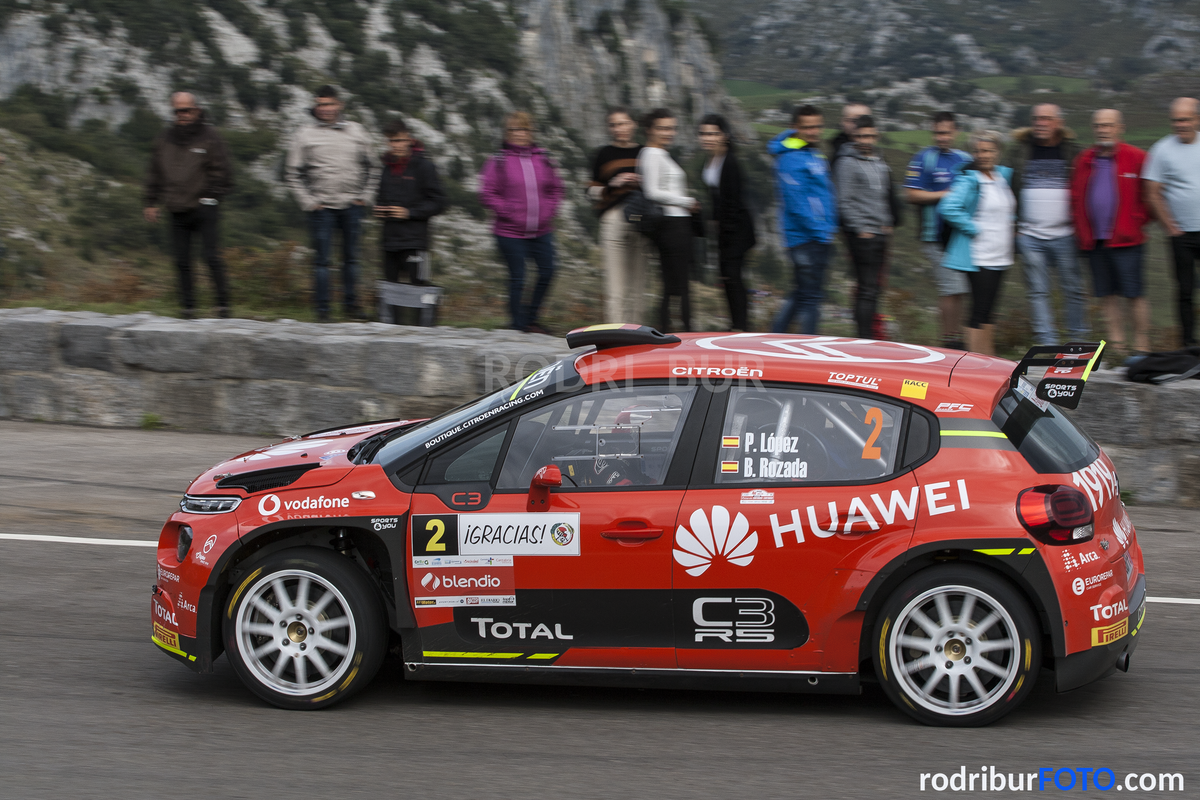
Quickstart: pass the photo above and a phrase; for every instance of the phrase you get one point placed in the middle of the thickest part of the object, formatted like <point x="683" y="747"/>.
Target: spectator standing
<point x="665" y="182"/>
<point x="520" y="184"/>
<point x="410" y="193"/>
<point x="735" y="225"/>
<point x="930" y="174"/>
<point x="1042" y="157"/>
<point x="190" y="174"/>
<point x="867" y="208"/>
<point x="614" y="175"/>
<point x="3" y="247"/>
<point x="331" y="173"/>
<point x="1109" y="212"/>
<point x="1172" y="175"/>
<point x="808" y="216"/>
<point x="981" y="210"/>
<point x="849" y="122"/>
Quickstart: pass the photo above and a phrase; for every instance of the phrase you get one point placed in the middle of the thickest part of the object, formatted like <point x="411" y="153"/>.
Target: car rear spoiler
<point x="1068" y="367"/>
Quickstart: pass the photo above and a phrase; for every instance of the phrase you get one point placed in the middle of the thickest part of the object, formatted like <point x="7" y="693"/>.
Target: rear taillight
<point x="1056" y="514"/>
<point x="183" y="543"/>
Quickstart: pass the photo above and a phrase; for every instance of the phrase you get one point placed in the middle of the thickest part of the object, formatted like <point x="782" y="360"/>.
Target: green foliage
<point x="475" y="35"/>
<point x="165" y="28"/>
<point x="150" y="422"/>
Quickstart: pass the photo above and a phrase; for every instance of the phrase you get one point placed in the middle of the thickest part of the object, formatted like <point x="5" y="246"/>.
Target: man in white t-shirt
<point x="1172" y="180"/>
<point x="1042" y="158"/>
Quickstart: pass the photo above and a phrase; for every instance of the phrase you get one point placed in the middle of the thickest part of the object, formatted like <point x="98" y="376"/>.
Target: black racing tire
<point x="331" y="637"/>
<point x="948" y="668"/>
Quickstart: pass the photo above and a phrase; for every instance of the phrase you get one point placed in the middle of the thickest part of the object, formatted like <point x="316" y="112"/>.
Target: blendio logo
<point x="755" y="619"/>
<point x="432" y="582"/>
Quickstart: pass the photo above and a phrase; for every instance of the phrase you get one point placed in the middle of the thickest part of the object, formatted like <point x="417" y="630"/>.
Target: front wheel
<point x="305" y="629"/>
<point x="958" y="646"/>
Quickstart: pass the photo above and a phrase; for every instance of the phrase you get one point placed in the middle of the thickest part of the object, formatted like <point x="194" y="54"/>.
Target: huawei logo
<point x="696" y="549"/>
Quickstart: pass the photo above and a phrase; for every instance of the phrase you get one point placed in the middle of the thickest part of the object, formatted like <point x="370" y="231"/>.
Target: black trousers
<point x="1185" y="250"/>
<point x="868" y="257"/>
<point x="676" y="253"/>
<point x="985" y="293"/>
<point x="201" y="220"/>
<point x="730" y="267"/>
<point x="409" y="266"/>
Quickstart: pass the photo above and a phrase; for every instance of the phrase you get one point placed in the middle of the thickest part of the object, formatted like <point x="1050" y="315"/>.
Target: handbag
<point x="642" y="213"/>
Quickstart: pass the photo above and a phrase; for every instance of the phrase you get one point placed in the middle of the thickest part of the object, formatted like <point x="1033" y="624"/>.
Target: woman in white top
<point x="664" y="182"/>
<point x="981" y="211"/>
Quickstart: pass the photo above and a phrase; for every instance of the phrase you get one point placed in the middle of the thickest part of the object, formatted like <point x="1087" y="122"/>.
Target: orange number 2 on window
<point x="870" y="451"/>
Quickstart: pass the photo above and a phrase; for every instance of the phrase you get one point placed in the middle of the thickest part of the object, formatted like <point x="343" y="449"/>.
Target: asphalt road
<point x="90" y="708"/>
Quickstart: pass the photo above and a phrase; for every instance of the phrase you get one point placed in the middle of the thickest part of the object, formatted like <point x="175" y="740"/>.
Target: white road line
<point x="1183" y="601"/>
<point x="33" y="537"/>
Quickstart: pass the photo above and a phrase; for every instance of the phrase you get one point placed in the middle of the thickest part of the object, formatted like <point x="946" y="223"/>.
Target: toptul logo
<point x="696" y="549"/>
<point x="270" y="504"/>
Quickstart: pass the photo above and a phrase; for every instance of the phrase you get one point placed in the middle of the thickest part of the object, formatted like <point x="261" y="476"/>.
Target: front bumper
<point x="198" y="652"/>
<point x="1080" y="669"/>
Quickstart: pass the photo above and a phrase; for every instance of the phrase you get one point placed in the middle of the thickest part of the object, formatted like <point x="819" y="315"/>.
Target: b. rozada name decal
<point x="825" y="522"/>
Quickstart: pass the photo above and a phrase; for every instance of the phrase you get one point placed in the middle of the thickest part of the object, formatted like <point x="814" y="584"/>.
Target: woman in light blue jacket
<point x="980" y="210"/>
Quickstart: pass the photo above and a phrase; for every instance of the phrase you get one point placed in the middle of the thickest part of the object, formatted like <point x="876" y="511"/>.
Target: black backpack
<point x="1166" y="367"/>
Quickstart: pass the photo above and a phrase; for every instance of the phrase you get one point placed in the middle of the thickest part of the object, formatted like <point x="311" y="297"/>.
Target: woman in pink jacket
<point x="520" y="184"/>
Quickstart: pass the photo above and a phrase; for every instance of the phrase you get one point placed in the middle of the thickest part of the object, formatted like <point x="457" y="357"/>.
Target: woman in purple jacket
<point x="521" y="186"/>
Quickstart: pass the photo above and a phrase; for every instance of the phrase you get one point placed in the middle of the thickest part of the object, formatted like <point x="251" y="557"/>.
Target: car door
<point x="794" y="490"/>
<point x="581" y="571"/>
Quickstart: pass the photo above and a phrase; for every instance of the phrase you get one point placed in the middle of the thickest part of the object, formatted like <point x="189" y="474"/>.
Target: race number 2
<point x="870" y="450"/>
<point x="435" y="535"/>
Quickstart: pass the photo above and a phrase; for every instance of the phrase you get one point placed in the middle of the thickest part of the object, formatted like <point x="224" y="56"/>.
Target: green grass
<point x="1023" y="84"/>
<point x="741" y="89"/>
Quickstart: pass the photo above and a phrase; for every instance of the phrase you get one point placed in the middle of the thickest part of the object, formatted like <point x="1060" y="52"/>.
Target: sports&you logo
<point x="707" y="540"/>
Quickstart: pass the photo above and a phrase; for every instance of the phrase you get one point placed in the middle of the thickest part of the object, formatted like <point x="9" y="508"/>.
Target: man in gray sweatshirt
<point x="868" y="210"/>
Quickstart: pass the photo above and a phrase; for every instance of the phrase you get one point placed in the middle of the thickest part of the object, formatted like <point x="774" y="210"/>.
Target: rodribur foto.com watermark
<point x="1062" y="779"/>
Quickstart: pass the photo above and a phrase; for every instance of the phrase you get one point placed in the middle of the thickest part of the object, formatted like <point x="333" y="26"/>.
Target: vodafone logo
<point x="829" y="349"/>
<point x="270" y="504"/>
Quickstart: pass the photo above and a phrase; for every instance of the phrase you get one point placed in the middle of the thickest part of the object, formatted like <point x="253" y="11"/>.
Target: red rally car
<point x="734" y="511"/>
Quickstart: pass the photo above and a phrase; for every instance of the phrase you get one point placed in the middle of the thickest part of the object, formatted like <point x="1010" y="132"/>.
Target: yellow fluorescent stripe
<point x="451" y="654"/>
<point x="996" y="551"/>
<point x="989" y="434"/>
<point x="1026" y="551"/>
<point x="174" y="650"/>
<point x="543" y="655"/>
<point x="1095" y="358"/>
<point x="519" y="385"/>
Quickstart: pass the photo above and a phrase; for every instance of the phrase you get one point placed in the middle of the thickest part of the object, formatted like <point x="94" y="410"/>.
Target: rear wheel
<point x="957" y="646"/>
<point x="305" y="629"/>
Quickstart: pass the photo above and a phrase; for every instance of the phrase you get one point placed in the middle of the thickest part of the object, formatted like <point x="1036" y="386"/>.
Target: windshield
<point x="1046" y="437"/>
<point x="413" y="443"/>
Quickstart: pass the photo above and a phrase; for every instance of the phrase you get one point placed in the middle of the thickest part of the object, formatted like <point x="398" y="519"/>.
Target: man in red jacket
<point x="1106" y="201"/>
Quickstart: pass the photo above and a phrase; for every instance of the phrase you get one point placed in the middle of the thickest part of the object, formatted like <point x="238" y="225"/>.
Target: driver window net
<point x="789" y="436"/>
<point x="608" y="438"/>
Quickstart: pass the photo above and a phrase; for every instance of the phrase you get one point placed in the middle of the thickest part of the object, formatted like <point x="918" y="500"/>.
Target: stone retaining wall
<point x="279" y="378"/>
<point x="242" y="376"/>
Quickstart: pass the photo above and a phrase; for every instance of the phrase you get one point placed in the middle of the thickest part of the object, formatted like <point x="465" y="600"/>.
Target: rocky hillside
<point x="92" y="78"/>
<point x="862" y="43"/>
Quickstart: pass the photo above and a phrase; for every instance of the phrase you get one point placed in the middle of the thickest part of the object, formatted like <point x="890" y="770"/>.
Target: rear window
<point x="1048" y="440"/>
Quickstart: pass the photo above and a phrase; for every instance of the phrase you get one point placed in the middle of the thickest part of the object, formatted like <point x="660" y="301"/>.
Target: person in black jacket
<point x="735" y="225"/>
<point x="409" y="194"/>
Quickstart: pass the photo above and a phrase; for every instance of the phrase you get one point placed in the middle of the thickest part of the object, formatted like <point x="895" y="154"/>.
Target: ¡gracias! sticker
<point x="516" y="534"/>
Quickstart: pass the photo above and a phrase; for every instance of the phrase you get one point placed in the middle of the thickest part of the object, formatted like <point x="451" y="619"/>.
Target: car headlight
<point x="183" y="543"/>
<point x="208" y="505"/>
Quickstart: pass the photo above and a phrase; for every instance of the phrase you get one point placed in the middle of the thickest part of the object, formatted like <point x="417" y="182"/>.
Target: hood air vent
<point x="264" y="479"/>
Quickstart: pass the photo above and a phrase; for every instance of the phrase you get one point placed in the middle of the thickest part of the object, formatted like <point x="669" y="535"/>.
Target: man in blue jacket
<point x="808" y="215"/>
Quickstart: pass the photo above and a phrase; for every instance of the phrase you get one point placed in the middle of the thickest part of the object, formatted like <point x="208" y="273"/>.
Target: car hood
<point x="315" y="459"/>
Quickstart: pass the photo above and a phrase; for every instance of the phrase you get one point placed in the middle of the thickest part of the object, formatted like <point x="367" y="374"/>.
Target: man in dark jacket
<point x="409" y="194"/>
<point x="189" y="174"/>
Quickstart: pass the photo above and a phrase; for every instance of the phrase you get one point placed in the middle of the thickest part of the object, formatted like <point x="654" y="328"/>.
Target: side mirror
<point x="539" y="488"/>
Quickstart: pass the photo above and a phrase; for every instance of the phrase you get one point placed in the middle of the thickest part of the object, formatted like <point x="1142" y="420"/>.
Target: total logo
<point x="696" y="549"/>
<point x="1081" y="585"/>
<point x="165" y="614"/>
<point x="504" y="630"/>
<point x="1101" y="611"/>
<point x="433" y="582"/>
<point x="270" y="504"/>
<point x="753" y="619"/>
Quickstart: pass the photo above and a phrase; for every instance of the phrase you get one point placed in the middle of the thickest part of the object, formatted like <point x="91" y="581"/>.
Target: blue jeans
<point x="515" y="252"/>
<point x="809" y="261"/>
<point x="1039" y="254"/>
<point x="321" y="225"/>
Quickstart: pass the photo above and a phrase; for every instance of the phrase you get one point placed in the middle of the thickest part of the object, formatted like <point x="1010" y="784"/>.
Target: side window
<point x="473" y="461"/>
<point x="791" y="436"/>
<point x="617" y="437"/>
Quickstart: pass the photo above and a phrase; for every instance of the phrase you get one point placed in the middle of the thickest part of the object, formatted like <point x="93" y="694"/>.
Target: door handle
<point x="632" y="534"/>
